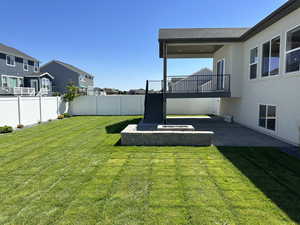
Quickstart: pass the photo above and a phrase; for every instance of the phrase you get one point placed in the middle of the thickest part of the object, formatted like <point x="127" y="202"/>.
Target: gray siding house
<point x="64" y="74"/>
<point x="20" y="74"/>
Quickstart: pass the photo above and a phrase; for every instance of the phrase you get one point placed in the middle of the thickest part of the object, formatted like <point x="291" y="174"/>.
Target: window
<point x="267" y="117"/>
<point x="82" y="78"/>
<point x="11" y="81"/>
<point x="10" y="60"/>
<point x="253" y="63"/>
<point x="271" y="57"/>
<point x="46" y="83"/>
<point x="4" y="81"/>
<point x="36" y="67"/>
<point x="25" y="65"/>
<point x="293" y="50"/>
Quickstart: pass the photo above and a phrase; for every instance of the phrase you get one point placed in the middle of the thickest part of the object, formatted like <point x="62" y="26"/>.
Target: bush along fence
<point x="23" y="111"/>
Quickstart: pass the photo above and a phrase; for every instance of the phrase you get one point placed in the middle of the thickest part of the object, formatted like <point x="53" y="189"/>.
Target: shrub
<point x="67" y="115"/>
<point x="60" y="117"/>
<point x="6" y="129"/>
<point x="20" y="126"/>
<point x="72" y="92"/>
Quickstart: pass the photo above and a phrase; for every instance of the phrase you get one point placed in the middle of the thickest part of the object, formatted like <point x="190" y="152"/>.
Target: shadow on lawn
<point x="275" y="173"/>
<point x="116" y="128"/>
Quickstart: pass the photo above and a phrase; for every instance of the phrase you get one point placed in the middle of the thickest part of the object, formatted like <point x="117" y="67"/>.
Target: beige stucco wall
<point x="233" y="55"/>
<point x="282" y="90"/>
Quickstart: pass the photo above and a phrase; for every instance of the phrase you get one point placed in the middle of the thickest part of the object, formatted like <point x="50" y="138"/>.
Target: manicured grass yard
<point x="73" y="172"/>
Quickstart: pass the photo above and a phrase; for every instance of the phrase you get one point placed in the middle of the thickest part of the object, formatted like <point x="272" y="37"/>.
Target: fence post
<point x="57" y="106"/>
<point x="19" y="109"/>
<point x="96" y="97"/>
<point x="40" y="103"/>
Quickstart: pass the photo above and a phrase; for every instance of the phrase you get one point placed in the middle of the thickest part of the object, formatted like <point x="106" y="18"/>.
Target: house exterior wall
<point x="281" y="91"/>
<point x="233" y="56"/>
<point x="62" y="76"/>
<point x="16" y="70"/>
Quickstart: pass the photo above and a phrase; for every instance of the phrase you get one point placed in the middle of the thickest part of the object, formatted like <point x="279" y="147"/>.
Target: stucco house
<point x="256" y="72"/>
<point x="20" y="74"/>
<point x="65" y="74"/>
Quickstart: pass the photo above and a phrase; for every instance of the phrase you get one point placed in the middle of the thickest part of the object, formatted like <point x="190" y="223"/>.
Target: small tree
<point x="72" y="92"/>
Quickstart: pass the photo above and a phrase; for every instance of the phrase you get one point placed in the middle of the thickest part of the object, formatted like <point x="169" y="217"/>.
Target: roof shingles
<point x="15" y="52"/>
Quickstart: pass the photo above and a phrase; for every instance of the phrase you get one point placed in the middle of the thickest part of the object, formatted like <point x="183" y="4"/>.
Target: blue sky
<point x="116" y="40"/>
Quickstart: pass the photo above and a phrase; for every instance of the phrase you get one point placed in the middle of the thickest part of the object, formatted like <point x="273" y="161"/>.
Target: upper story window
<point x="36" y="67"/>
<point x="293" y="50"/>
<point x="10" y="60"/>
<point x="25" y="65"/>
<point x="82" y="78"/>
<point x="253" y="63"/>
<point x="271" y="57"/>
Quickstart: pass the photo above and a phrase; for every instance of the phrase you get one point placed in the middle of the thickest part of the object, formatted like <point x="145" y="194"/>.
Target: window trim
<point x="289" y="51"/>
<point x="11" y="65"/>
<point x="251" y="64"/>
<point x="26" y="64"/>
<point x="224" y="69"/>
<point x="8" y="76"/>
<point x="271" y="117"/>
<point x="35" y="66"/>
<point x="270" y="54"/>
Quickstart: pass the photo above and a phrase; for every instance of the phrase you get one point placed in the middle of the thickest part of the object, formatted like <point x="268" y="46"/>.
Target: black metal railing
<point x="191" y="84"/>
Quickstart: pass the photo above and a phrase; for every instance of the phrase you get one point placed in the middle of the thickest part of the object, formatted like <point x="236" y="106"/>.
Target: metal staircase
<point x="153" y="107"/>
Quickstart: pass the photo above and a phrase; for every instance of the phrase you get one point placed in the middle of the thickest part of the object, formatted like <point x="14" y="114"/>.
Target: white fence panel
<point x="9" y="114"/>
<point x="84" y="105"/>
<point x="134" y="105"/>
<point x="108" y="105"/>
<point x="49" y="108"/>
<point x="30" y="110"/>
<point x="192" y="106"/>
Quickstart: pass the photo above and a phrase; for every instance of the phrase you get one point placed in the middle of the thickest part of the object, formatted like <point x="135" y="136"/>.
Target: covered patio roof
<point x="197" y="42"/>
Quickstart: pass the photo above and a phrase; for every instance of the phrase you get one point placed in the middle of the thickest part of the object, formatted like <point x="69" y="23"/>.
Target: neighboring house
<point x="111" y="91"/>
<point x="65" y="74"/>
<point x="137" y="91"/>
<point x="193" y="83"/>
<point x="20" y="74"/>
<point x="257" y="70"/>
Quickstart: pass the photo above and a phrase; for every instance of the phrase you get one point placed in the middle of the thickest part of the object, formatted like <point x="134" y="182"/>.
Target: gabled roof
<point x="69" y="66"/>
<point x="40" y="74"/>
<point x="226" y="34"/>
<point x="15" y="52"/>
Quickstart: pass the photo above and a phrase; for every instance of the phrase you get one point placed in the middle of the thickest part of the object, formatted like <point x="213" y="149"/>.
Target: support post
<point x="165" y="74"/>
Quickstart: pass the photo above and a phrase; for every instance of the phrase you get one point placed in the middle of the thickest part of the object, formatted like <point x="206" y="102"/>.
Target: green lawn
<point x="73" y="172"/>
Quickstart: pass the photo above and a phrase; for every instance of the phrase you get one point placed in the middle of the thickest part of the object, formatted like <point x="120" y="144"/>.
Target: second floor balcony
<point x="194" y="86"/>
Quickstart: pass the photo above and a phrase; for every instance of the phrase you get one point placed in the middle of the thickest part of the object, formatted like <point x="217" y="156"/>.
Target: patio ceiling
<point x="192" y="50"/>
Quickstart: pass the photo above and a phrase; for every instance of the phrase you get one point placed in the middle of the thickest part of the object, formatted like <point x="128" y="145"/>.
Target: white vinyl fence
<point x="28" y="110"/>
<point x="134" y="105"/>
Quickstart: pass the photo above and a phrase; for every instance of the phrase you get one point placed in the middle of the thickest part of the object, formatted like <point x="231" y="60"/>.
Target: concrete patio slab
<point x="229" y="134"/>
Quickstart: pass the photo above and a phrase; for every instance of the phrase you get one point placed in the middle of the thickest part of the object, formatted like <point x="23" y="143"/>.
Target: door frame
<point x="221" y="78"/>
<point x="32" y="81"/>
